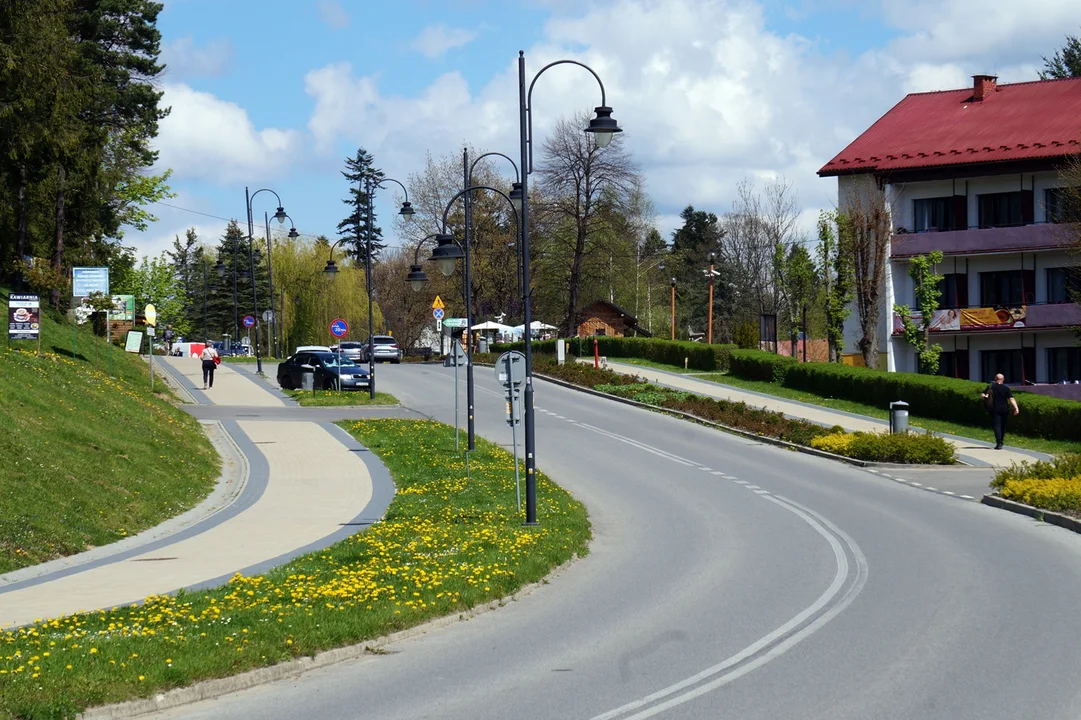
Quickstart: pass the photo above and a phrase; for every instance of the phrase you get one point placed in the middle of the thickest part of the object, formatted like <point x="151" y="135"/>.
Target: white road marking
<point x="947" y="492"/>
<point x="741" y="482"/>
<point x="642" y="446"/>
<point x="752" y="487"/>
<point x="762" y="492"/>
<point x="967" y="497"/>
<point x="931" y="488"/>
<point x="900" y="480"/>
<point x="706" y="469"/>
<point x="916" y="484"/>
<point x="686" y="687"/>
<point x="718" y="472"/>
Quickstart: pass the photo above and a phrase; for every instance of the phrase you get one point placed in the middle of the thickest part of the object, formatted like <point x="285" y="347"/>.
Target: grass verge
<point x="89" y="454"/>
<point x="246" y="359"/>
<point x="330" y="398"/>
<point x="445" y="545"/>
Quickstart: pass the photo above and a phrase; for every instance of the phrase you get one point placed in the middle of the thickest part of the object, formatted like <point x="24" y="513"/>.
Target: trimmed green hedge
<point x="930" y="396"/>
<point x="699" y="356"/>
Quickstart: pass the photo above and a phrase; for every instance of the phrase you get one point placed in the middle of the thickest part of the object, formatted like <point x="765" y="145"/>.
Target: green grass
<point x="89" y="454"/>
<point x="330" y="398"/>
<point x="246" y="359"/>
<point x="937" y="426"/>
<point x="651" y="364"/>
<point x="447" y="544"/>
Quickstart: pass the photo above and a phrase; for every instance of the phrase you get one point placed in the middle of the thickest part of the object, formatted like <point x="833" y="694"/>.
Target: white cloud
<point x="184" y="59"/>
<point x="333" y="14"/>
<point x="435" y="40"/>
<point x="207" y="138"/>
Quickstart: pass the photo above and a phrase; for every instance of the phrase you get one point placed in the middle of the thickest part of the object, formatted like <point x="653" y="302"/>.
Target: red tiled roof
<point x="1018" y="121"/>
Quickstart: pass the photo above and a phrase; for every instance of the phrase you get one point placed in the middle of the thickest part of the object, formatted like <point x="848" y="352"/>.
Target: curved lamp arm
<point x="396" y="182"/>
<point x="446" y="210"/>
<point x="499" y="154"/>
<point x="279" y="215"/>
<point x="416" y="250"/>
<point x="529" y="100"/>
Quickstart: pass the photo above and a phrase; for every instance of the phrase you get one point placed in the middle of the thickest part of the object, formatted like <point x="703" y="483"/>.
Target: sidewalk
<point x="971" y="452"/>
<point x="289" y="505"/>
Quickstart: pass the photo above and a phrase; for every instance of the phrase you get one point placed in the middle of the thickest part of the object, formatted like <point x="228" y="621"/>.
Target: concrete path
<point x="307" y="487"/>
<point x="971" y="452"/>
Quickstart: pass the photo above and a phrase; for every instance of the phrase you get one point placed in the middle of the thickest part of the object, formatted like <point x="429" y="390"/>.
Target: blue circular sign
<point x="249" y="321"/>
<point x="339" y="328"/>
<point x="438" y="313"/>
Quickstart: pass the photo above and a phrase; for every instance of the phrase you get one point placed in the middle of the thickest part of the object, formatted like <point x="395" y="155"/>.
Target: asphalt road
<point x="728" y="579"/>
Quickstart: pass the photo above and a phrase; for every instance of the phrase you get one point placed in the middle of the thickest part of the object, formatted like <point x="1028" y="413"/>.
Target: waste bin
<point x="898" y="416"/>
<point x="307" y="380"/>
<point x="482" y="344"/>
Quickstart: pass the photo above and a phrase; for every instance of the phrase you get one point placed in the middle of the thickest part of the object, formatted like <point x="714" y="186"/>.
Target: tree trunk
<point x="58" y="257"/>
<point x="20" y="232"/>
<point x="575" y="279"/>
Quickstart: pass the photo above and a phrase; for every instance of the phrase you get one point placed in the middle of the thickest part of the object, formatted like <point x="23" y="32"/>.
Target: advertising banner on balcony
<point x="987" y="318"/>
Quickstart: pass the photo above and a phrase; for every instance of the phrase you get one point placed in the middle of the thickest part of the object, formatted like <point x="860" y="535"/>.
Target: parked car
<point x="325" y="369"/>
<point x="311" y="348"/>
<point x="386" y="348"/>
<point x="350" y="349"/>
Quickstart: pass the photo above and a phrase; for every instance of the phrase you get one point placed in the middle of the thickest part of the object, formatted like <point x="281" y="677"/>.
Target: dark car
<point x="326" y="371"/>
<point x="386" y="348"/>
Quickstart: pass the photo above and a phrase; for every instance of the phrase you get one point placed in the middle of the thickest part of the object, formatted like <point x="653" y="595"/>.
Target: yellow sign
<point x="437" y="304"/>
<point x="151" y="315"/>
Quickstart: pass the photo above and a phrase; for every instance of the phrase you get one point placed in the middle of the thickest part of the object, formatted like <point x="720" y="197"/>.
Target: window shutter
<point x="960" y="212"/>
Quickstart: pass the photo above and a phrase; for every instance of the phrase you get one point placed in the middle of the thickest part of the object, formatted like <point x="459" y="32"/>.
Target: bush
<point x="759" y="365"/>
<point x="746" y="335"/>
<point x="1050" y="494"/>
<point x="712" y="358"/>
<point x="1067" y="465"/>
<point x="906" y="448"/>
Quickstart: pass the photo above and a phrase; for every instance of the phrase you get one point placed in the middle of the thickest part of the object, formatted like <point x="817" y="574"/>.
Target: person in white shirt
<point x="209" y="356"/>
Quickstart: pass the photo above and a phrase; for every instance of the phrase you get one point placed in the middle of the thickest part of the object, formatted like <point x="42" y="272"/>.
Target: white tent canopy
<point x="494" y="326"/>
<point x="535" y="325"/>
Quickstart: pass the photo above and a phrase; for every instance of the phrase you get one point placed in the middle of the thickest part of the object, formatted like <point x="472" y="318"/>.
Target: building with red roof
<point x="977" y="174"/>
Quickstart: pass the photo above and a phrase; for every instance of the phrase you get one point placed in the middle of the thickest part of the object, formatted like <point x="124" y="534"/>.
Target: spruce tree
<point x="359" y="171"/>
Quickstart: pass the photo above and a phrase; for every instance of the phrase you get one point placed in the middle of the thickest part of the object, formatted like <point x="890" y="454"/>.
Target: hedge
<point x="699" y="356"/>
<point x="929" y="396"/>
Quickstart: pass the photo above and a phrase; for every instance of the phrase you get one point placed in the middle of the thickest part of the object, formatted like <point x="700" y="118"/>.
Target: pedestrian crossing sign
<point x="437" y="304"/>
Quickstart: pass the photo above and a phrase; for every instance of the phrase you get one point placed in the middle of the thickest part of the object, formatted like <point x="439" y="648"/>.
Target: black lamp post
<point x="603" y="126"/>
<point x="270" y="281"/>
<point x="280" y="217"/>
<point x="332" y="270"/>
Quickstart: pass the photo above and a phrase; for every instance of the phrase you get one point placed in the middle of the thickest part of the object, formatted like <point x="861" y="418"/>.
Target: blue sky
<point x="710" y="92"/>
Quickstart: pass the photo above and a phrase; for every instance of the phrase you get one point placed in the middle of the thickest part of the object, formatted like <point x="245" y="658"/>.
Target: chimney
<point x="983" y="86"/>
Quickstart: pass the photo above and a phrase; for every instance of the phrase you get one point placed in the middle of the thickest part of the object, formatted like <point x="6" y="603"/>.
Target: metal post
<point x="270" y="289"/>
<point x="455" y="349"/>
<point x="371" y="314"/>
<point x="709" y="330"/>
<point x="513" y="433"/>
<point x="530" y="429"/>
<point x="236" y="297"/>
<point x="254" y="294"/>
<point x="805" y="337"/>
<point x="673" y="309"/>
<point x="206" y="333"/>
<point x="470" y="434"/>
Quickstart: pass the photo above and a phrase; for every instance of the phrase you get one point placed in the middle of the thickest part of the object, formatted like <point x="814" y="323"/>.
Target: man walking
<point x="999" y="400"/>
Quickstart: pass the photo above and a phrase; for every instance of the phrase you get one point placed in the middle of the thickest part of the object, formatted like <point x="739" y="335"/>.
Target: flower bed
<point x="445" y="545"/>
<point x="1051" y="485"/>
<point x="906" y="448"/>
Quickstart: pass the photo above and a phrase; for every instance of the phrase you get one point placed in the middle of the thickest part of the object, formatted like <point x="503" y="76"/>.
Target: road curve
<point x="728" y="579"/>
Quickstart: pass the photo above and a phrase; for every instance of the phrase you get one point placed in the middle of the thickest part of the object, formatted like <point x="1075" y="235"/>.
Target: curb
<point x="1047" y="516"/>
<point x="736" y="431"/>
<point x="295" y="668"/>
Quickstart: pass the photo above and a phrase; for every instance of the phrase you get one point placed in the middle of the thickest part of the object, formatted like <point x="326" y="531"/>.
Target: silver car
<point x="386" y="348"/>
<point x="350" y="349"/>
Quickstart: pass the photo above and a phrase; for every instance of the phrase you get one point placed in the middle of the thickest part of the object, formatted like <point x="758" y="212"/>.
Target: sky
<point x="710" y="93"/>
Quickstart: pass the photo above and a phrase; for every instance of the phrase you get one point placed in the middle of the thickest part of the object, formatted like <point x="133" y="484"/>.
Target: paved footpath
<point x="971" y="452"/>
<point x="304" y="487"/>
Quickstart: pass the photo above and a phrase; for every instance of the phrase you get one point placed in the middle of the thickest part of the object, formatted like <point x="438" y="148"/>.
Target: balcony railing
<point x="999" y="319"/>
<point x="1020" y="238"/>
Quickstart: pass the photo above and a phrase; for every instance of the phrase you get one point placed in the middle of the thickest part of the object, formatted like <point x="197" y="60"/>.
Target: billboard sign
<point x="123" y="308"/>
<point x="85" y="281"/>
<point x="24" y="317"/>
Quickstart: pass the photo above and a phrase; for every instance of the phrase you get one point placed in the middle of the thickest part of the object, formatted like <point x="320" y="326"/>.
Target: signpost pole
<point x="513" y="432"/>
<point x="457" y="347"/>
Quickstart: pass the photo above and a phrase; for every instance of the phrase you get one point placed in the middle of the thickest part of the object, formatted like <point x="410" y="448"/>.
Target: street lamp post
<point x="270" y="281"/>
<point x="709" y="329"/>
<point x="603" y="126"/>
<point x="280" y="217"/>
<point x="673" y="284"/>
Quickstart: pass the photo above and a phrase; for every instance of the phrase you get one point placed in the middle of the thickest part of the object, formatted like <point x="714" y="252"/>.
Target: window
<point x="947" y="364"/>
<point x="1000" y="209"/>
<point x="1001" y="288"/>
<point x="1057" y="203"/>
<point x="933" y="214"/>
<point x="1063" y="284"/>
<point x="1007" y="362"/>
<point x="1063" y="364"/>
<point x="953" y="291"/>
<point x="600" y="331"/>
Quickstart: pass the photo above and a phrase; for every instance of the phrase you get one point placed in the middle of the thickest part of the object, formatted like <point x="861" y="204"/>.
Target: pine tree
<point x="359" y="171"/>
<point x="1065" y="63"/>
<point x="183" y="260"/>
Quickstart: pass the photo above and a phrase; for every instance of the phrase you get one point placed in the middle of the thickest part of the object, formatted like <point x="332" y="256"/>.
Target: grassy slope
<point x="88" y="459"/>
<point x="445" y="545"/>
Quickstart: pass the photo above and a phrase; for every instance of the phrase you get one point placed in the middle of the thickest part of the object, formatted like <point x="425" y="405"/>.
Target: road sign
<point x="437" y="313"/>
<point x="248" y="321"/>
<point x="88" y="280"/>
<point x="151" y="315"/>
<point x="455" y="322"/>
<point x="268" y="315"/>
<point x="510" y="368"/>
<point x="339" y="328"/>
<point x="437" y="304"/>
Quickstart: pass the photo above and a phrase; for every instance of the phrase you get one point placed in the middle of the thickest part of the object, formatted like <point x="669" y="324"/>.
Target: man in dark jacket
<point x="1000" y="400"/>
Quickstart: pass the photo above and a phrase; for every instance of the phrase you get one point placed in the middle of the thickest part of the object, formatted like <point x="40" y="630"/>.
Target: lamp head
<point x="280" y="216"/>
<point x="446" y="254"/>
<point x="407" y="210"/>
<point x="293" y="234"/>
<point x="416" y="278"/>
<point x="711" y="257"/>
<point x="673" y="283"/>
<point x="219" y="268"/>
<point x="331" y="269"/>
<point x="516" y="197"/>
<point x="603" y="126"/>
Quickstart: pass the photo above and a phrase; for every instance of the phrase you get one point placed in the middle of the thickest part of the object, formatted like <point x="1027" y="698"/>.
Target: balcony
<point x="999" y="319"/>
<point x="1020" y="238"/>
